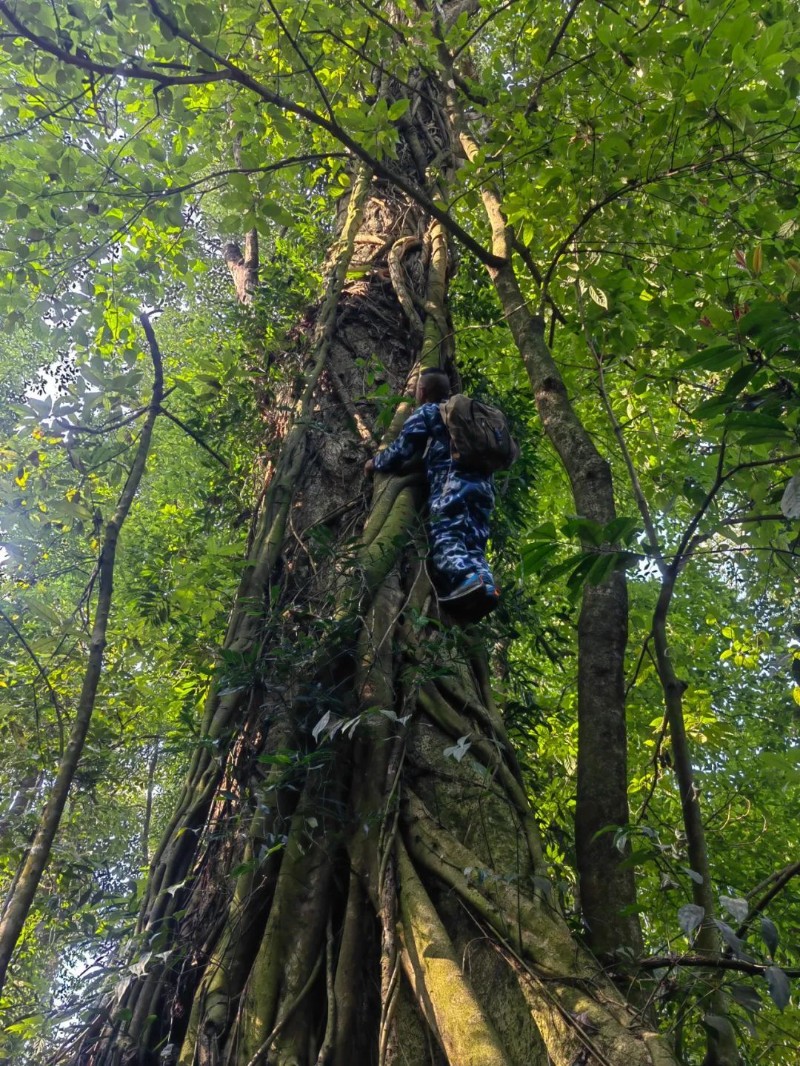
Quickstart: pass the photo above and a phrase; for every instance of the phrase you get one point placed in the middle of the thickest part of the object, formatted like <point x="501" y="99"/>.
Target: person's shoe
<point x="471" y="602"/>
<point x="468" y="585"/>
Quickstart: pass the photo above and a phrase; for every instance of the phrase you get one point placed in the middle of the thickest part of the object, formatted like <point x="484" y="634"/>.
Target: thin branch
<point x="373" y="12"/>
<point x="638" y="668"/>
<point x="705" y="962"/>
<point x="482" y="26"/>
<point x="97" y="431"/>
<point x="178" y="190"/>
<point x="43" y="673"/>
<point x="301" y="55"/>
<point x="525" y="255"/>
<point x="719" y="481"/>
<point x="636" y="485"/>
<point x="781" y="880"/>
<point x="631" y="186"/>
<point x="733" y="520"/>
<point x="740" y="520"/>
<point x="662" y="732"/>
<point x="195" y="437"/>
<point x="37" y="857"/>
<point x="124" y="69"/>
<point x="533" y="102"/>
<point x="44" y="116"/>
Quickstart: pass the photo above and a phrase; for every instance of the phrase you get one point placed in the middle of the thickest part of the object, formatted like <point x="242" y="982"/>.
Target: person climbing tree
<point x="461" y="487"/>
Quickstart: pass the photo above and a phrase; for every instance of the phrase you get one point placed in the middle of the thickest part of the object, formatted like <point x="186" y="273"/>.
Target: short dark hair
<point x="435" y="383"/>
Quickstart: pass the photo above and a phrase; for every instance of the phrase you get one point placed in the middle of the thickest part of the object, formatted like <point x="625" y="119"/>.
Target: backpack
<point x="480" y="441"/>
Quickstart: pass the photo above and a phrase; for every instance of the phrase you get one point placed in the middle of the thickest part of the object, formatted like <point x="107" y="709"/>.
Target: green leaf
<point x="43" y="611"/>
<point x="398" y="109"/>
<point x="622" y="528"/>
<point x="711" y="408"/>
<point x="534" y="556"/>
<point x="566" y="566"/>
<point x="598" y="296"/>
<point x="546" y="531"/>
<point x="716" y="1022"/>
<point x="769" y="934"/>
<point x="754" y="420"/>
<point x="690" y="916"/>
<point x="779" y="987"/>
<point x="747" y="997"/>
<point x="202" y="19"/>
<point x="743" y="376"/>
<point x="586" y="529"/>
<point x="737" y="908"/>
<point x="732" y="940"/>
<point x="275" y="211"/>
<point x="603" y="566"/>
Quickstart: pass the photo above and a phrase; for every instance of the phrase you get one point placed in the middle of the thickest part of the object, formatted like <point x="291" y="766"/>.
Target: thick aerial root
<point x="351" y="973"/>
<point x="411" y="1040"/>
<point x="292" y="944"/>
<point x="581" y="1025"/>
<point x="387" y="490"/>
<point x="465" y="1032"/>
<point x="574" y="1005"/>
<point x="484" y="751"/>
<point x="380" y="555"/>
<point x="458" y="693"/>
<point x="526" y="921"/>
<point x="226" y="971"/>
<point x="400" y="285"/>
<point x="437" y="334"/>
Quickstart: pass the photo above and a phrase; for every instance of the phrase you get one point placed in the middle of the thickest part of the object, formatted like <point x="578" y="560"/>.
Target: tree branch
<point x="377" y="166"/>
<point x="720" y="479"/>
<point x="636" y="485"/>
<point x="41" y="669"/>
<point x="195" y="437"/>
<point x="125" y="69"/>
<point x="781" y="880"/>
<point x="533" y="102"/>
<point x="703" y="962"/>
<point x="627" y="189"/>
<point x="482" y="25"/>
<point x="301" y="55"/>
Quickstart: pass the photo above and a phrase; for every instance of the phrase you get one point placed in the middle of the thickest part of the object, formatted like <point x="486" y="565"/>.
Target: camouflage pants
<point x="458" y="528"/>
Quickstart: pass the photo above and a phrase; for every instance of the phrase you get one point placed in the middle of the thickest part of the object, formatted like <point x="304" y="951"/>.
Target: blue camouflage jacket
<point x="426" y="424"/>
<point x="447" y="485"/>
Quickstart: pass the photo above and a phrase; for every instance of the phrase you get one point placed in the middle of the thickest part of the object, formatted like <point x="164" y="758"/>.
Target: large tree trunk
<point x="353" y="873"/>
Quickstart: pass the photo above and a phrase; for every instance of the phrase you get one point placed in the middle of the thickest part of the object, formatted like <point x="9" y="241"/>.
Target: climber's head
<point x="433" y="386"/>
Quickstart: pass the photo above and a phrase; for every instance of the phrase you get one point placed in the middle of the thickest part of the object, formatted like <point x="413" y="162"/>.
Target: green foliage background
<point x="654" y="183"/>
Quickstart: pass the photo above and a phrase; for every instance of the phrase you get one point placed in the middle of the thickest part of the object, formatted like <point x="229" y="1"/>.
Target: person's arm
<point x="409" y="444"/>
